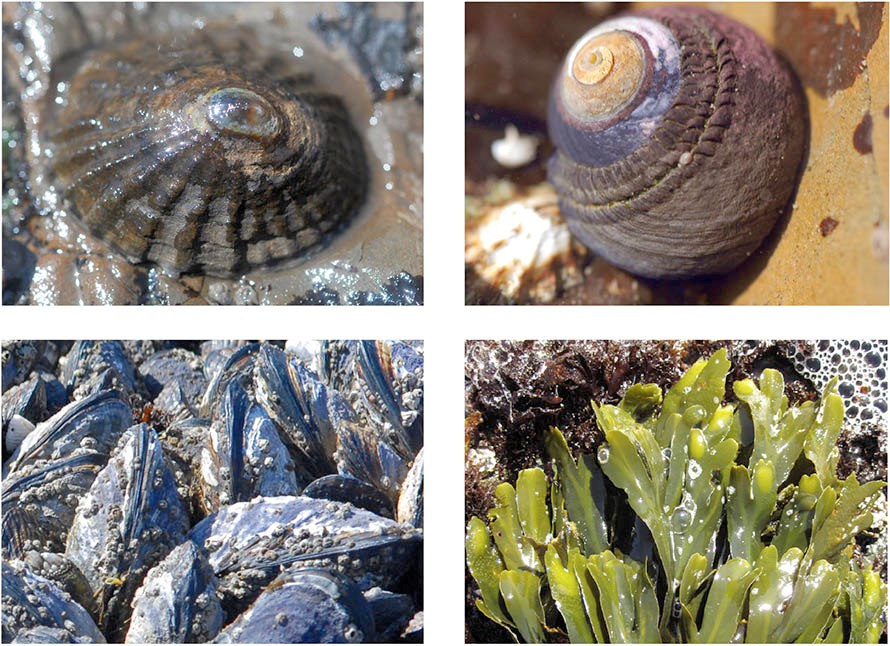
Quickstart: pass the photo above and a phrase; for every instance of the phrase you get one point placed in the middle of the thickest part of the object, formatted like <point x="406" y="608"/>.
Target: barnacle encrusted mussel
<point x="679" y="137"/>
<point x="221" y="491"/>
<point x="192" y="153"/>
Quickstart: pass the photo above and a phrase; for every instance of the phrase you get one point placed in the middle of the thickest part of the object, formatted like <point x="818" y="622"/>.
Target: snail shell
<point x="195" y="153"/>
<point x="679" y="136"/>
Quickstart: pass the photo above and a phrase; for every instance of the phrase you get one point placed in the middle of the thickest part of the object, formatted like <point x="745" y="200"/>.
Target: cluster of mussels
<point x="224" y="491"/>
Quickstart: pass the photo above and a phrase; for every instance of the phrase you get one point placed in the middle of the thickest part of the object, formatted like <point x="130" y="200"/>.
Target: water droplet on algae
<point x="694" y="414"/>
<point x="693" y="470"/>
<point x="603" y="454"/>
<point x="786" y="591"/>
<point x="680" y="520"/>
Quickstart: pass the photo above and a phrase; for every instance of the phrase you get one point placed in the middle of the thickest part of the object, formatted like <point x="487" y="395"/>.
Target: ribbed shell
<point x="198" y="153"/>
<point x="706" y="186"/>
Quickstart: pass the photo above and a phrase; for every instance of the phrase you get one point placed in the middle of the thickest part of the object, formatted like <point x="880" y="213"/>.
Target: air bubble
<point x="694" y="414"/>
<point x="681" y="519"/>
<point x="603" y="454"/>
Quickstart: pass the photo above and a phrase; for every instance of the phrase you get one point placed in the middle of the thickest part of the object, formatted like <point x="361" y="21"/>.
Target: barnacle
<point x="742" y="529"/>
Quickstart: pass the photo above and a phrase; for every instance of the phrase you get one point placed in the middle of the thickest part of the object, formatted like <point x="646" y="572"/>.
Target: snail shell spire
<point x="679" y="136"/>
<point x="200" y="156"/>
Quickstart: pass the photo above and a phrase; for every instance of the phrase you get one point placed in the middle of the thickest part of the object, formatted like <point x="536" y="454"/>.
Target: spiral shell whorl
<point x="601" y="112"/>
<point x="700" y="186"/>
<point x="198" y="159"/>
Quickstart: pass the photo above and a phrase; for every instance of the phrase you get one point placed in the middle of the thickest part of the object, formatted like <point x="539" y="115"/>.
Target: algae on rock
<point x="742" y="531"/>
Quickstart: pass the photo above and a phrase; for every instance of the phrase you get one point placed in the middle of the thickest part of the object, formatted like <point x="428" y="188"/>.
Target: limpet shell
<point x="195" y="153"/>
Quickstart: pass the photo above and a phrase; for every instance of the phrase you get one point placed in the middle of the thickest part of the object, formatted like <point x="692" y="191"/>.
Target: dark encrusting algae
<point x="221" y="491"/>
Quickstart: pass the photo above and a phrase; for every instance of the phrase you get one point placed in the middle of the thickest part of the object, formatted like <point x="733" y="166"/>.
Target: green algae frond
<point x="699" y="522"/>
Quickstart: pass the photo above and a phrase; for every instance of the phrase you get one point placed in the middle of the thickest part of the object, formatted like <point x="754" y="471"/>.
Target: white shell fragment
<point x="524" y="246"/>
<point x="18" y="428"/>
<point x="515" y="149"/>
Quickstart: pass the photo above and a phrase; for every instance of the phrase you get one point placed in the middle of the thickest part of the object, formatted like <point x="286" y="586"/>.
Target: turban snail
<point x="199" y="154"/>
<point x="679" y="136"/>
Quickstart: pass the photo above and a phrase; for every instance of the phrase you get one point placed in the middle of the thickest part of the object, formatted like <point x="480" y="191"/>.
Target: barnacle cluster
<point x="695" y="521"/>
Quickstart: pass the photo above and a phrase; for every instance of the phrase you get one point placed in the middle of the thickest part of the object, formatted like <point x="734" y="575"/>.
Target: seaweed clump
<point x="730" y="524"/>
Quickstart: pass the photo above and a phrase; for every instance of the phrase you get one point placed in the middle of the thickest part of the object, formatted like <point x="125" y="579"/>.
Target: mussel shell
<point x="175" y="403"/>
<point x="91" y="366"/>
<point x="94" y="422"/>
<point x="130" y="520"/>
<point x="215" y="354"/>
<point x="304" y="606"/>
<point x="21" y="530"/>
<point x="244" y="456"/>
<point x="58" y="569"/>
<point x="346" y="488"/>
<point x="305" y="409"/>
<point x="7" y="371"/>
<point x="175" y="366"/>
<point x="392" y="613"/>
<point x="20" y="358"/>
<point x="249" y="543"/>
<point x="31" y="601"/>
<point x="386" y="385"/>
<point x="39" y="501"/>
<point x="27" y="400"/>
<point x="363" y="453"/>
<point x="409" y="509"/>
<point x="44" y="635"/>
<point x="227" y="367"/>
<point x="177" y="603"/>
<point x="691" y="175"/>
<point x="184" y="442"/>
<point x="193" y="152"/>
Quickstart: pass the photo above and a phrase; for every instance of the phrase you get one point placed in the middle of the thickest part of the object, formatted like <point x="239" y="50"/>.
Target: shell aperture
<point x="688" y="173"/>
<point x="187" y="153"/>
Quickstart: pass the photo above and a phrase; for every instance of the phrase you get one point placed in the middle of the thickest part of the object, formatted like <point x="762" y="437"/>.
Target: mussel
<point x="247" y="497"/>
